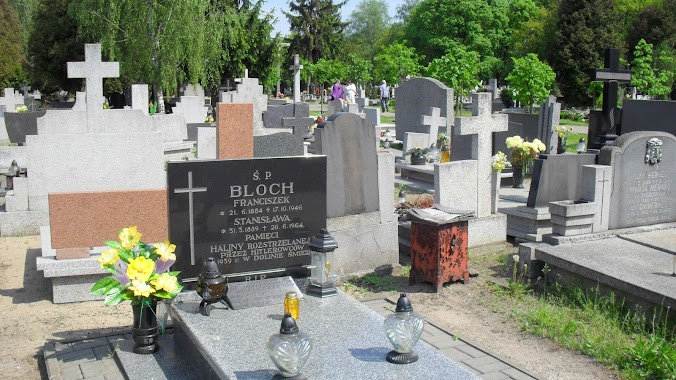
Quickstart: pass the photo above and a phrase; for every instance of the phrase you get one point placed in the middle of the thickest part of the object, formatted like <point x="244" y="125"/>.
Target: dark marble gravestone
<point x="253" y="216"/>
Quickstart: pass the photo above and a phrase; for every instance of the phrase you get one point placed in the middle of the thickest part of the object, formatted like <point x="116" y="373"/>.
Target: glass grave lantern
<point x="289" y="350"/>
<point x="322" y="277"/>
<point x="581" y="146"/>
<point x="403" y="329"/>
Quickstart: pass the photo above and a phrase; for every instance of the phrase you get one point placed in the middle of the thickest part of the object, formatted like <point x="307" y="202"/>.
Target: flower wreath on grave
<point x="139" y="272"/>
<point x="522" y="151"/>
<point x="417" y="152"/>
<point x="499" y="162"/>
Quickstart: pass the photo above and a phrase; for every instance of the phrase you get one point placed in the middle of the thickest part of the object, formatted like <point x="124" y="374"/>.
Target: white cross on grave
<point x="481" y="125"/>
<point x="94" y="70"/>
<point x="11" y="100"/>
<point x="434" y="121"/>
<point x="190" y="190"/>
<point x="296" y="67"/>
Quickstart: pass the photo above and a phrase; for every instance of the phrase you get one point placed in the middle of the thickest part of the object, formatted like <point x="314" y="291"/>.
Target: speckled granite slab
<point x="348" y="342"/>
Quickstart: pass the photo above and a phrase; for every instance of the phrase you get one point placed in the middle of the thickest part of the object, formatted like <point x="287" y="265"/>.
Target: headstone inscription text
<point x="252" y="215"/>
<point x="650" y="191"/>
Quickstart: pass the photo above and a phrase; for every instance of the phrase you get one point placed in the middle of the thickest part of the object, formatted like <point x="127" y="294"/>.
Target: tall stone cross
<point x="602" y="126"/>
<point x="191" y="213"/>
<point x="434" y="121"/>
<point x="24" y="89"/>
<point x="481" y="126"/>
<point x="296" y="67"/>
<point x="299" y="124"/>
<point x="93" y="70"/>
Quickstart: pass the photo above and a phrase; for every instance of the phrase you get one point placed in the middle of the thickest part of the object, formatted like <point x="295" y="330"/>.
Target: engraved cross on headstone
<point x="603" y="193"/>
<point x="190" y="190"/>
<point x="296" y="67"/>
<point x="94" y="70"/>
<point x="481" y="126"/>
<point x="434" y="121"/>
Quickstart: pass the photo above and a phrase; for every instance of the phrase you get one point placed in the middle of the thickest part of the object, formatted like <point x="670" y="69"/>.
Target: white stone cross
<point x="93" y="70"/>
<point x="191" y="220"/>
<point x="296" y="67"/>
<point x="11" y="100"/>
<point x="481" y="125"/>
<point x="434" y="121"/>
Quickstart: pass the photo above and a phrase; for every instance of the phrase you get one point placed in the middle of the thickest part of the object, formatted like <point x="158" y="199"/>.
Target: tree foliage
<point x="536" y="35"/>
<point x="396" y="62"/>
<point x="438" y="26"/>
<point x="13" y="56"/>
<point x="316" y="29"/>
<point x="584" y="30"/>
<point x="359" y="70"/>
<point x="328" y="71"/>
<point x="532" y="79"/>
<point x="367" y="26"/>
<point x="646" y="76"/>
<point x="458" y="69"/>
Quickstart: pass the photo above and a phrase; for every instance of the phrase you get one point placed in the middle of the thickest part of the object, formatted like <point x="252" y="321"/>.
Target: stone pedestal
<point x="572" y="217"/>
<point x="528" y="223"/>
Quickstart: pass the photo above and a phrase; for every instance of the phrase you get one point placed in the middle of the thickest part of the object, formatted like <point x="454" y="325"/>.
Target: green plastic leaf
<point x="114" y="244"/>
<point x="102" y="285"/>
<point x="174" y="273"/>
<point x="114" y="297"/>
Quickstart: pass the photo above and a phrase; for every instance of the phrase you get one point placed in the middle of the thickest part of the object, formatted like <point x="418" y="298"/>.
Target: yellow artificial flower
<point x="165" y="250"/>
<point x="141" y="289"/>
<point x="140" y="269"/>
<point x="166" y="282"/>
<point x="109" y="256"/>
<point x="129" y="237"/>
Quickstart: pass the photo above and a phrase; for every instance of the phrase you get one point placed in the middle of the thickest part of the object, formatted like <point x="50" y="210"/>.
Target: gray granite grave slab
<point x="642" y="193"/>
<point x="172" y="126"/>
<point x="596" y="188"/>
<point x="634" y="269"/>
<point x="277" y="102"/>
<point x="386" y="187"/>
<point x="206" y="142"/>
<point x="372" y="115"/>
<point x="664" y="240"/>
<point x="518" y="124"/>
<point x="192" y="129"/>
<point x="17" y="199"/>
<point x="90" y="157"/>
<point x="433" y="121"/>
<point x="455" y="185"/>
<point x="414" y="99"/>
<point x="62" y="121"/>
<point x="192" y="108"/>
<point x="557" y="178"/>
<point x="334" y="106"/>
<point x="548" y="119"/>
<point x="22" y="222"/>
<point x="20" y="124"/>
<point x="272" y="118"/>
<point x="349" y="143"/>
<point x="280" y="144"/>
<point x="139" y="97"/>
<point x="165" y="364"/>
<point x="348" y="342"/>
<point x="414" y="139"/>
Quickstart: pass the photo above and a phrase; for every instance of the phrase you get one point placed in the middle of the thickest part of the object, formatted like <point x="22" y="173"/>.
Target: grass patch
<point x="603" y="327"/>
<point x="387" y="119"/>
<point x="370" y="283"/>
<point x="563" y="121"/>
<point x="573" y="139"/>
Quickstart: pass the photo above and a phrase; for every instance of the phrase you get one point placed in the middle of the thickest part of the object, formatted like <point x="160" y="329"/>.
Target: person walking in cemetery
<point x="337" y="91"/>
<point x="384" y="96"/>
<point x="350" y="92"/>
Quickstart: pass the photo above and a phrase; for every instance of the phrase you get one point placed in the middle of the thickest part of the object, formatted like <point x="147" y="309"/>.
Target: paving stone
<point x="76" y="357"/>
<point x="110" y="365"/>
<point x="494" y="376"/>
<point x="454" y="354"/>
<point x="114" y="376"/>
<point x="71" y="373"/>
<point x="92" y="369"/>
<point x="114" y="339"/>
<point x="103" y="351"/>
<point x="99" y="377"/>
<point x="471" y="351"/>
<point x="62" y="348"/>
<point x="486" y="364"/>
<point x="445" y="342"/>
<point x="517" y="375"/>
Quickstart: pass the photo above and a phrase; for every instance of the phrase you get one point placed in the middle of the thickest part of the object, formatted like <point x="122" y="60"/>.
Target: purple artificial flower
<point x="163" y="266"/>
<point x="121" y="272"/>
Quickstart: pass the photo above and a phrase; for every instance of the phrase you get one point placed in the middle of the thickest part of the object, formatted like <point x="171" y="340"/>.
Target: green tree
<point x="328" y="71"/>
<point x="536" y="35"/>
<point x="396" y="62"/>
<point x="584" y="30"/>
<point x="656" y="24"/>
<point x="438" y="26"/>
<point x="645" y="75"/>
<point x="52" y="45"/>
<point x="404" y="9"/>
<point x="359" y="70"/>
<point x="458" y="69"/>
<point x="532" y="79"/>
<point x="13" y="56"/>
<point x="367" y="25"/>
<point x="316" y="28"/>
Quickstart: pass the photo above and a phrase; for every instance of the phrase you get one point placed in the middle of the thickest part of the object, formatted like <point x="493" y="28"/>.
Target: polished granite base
<point x="348" y="342"/>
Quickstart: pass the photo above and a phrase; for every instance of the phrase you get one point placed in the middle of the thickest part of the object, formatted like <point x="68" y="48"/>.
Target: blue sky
<point x="282" y="25"/>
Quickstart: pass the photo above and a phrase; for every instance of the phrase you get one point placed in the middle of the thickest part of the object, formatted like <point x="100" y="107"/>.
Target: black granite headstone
<point x="252" y="216"/>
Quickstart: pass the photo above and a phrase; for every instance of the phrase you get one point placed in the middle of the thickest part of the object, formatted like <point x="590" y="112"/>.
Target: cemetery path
<point x="475" y="314"/>
<point x="29" y="319"/>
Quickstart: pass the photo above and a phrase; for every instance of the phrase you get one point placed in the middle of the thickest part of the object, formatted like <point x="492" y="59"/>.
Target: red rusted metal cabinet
<point x="439" y="253"/>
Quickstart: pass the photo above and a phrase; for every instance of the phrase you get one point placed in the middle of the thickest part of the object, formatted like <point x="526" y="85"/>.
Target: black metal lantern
<point x="322" y="278"/>
<point x="211" y="286"/>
